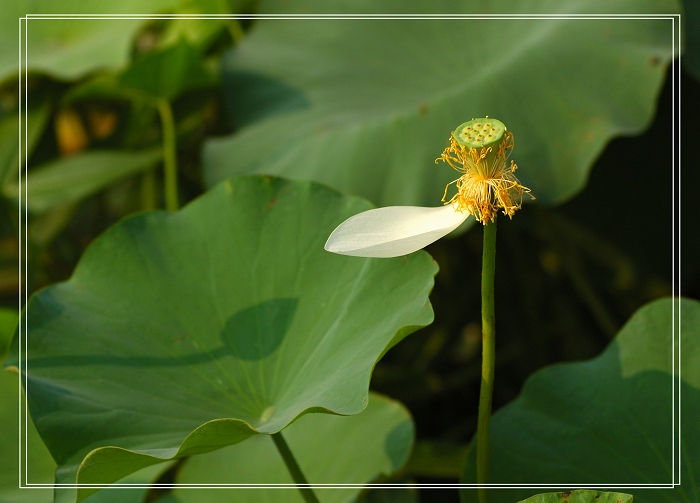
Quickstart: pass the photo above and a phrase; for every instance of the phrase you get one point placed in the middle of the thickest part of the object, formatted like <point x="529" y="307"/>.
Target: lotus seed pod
<point x="481" y="133"/>
<point x="479" y="150"/>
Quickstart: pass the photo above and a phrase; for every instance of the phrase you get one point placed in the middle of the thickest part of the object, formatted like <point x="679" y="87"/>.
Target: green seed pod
<point x="479" y="133"/>
<point x="479" y="150"/>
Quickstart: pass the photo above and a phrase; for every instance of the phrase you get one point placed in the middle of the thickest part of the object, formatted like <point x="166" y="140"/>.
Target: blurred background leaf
<point x="160" y="74"/>
<point x="92" y="138"/>
<point x="204" y="32"/>
<point x="68" y="48"/>
<point x="72" y="178"/>
<point x="36" y="119"/>
<point x="168" y="73"/>
<point x="366" y="106"/>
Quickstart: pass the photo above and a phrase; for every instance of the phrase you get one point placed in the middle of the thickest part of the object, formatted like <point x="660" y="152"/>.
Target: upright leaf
<point x="168" y="73"/>
<point x="610" y="420"/>
<point x="162" y="74"/>
<point x="35" y="121"/>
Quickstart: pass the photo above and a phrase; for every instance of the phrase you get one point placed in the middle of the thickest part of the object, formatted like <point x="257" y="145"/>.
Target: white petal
<point x="393" y="231"/>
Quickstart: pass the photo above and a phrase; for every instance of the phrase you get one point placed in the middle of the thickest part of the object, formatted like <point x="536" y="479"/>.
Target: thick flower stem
<point x="169" y="154"/>
<point x="294" y="470"/>
<point x="488" y="324"/>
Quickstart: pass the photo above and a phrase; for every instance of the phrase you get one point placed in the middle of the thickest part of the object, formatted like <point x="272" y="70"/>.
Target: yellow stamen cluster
<point x="486" y="185"/>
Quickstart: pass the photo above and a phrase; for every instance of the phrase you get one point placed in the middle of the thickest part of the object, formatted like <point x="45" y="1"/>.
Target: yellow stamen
<point x="484" y="187"/>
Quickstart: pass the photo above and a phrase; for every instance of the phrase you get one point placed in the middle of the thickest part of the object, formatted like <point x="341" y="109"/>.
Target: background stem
<point x="169" y="155"/>
<point x="149" y="196"/>
<point x="296" y="473"/>
<point x="236" y="30"/>
<point x="488" y="322"/>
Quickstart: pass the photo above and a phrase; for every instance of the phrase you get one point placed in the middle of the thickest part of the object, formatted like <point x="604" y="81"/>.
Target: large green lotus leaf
<point x="608" y="420"/>
<point x="329" y="449"/>
<point x="367" y="105"/>
<point x="582" y="496"/>
<point x="68" y="48"/>
<point x="183" y="332"/>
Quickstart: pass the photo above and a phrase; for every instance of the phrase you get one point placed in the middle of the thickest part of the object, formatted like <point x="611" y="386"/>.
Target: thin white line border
<point x="23" y="293"/>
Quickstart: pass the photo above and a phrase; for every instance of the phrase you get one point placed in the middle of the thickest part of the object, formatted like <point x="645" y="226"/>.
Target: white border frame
<point x="675" y="68"/>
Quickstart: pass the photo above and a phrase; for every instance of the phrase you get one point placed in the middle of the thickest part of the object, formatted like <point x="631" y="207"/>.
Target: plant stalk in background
<point x="169" y="154"/>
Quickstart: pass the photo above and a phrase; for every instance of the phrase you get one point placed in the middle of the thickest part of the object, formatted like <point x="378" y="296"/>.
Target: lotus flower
<point x="478" y="149"/>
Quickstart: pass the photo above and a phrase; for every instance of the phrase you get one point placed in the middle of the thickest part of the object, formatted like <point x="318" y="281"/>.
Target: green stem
<point x="488" y="324"/>
<point x="148" y="190"/>
<point x="294" y="470"/>
<point x="236" y="30"/>
<point x="169" y="154"/>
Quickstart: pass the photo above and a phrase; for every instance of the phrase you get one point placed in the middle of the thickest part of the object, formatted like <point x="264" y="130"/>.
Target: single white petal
<point x="393" y="231"/>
